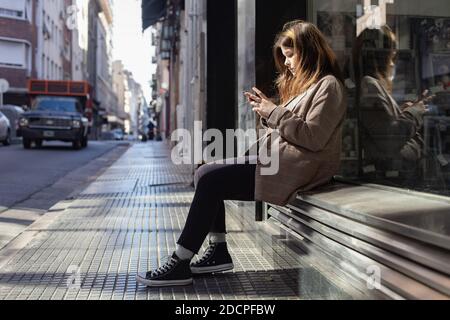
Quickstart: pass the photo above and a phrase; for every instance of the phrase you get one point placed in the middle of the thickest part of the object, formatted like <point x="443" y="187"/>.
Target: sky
<point x="130" y="45"/>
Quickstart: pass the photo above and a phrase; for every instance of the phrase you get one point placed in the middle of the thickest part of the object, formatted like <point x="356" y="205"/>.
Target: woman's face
<point x="290" y="58"/>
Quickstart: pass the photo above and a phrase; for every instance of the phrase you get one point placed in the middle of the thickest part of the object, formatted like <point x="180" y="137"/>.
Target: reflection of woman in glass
<point x="390" y="134"/>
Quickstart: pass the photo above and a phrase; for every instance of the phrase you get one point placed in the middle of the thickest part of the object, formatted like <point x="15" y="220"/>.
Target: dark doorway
<point x="270" y="18"/>
<point x="221" y="62"/>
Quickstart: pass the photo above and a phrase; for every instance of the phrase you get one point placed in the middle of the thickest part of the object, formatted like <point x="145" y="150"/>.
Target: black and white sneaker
<point x="215" y="259"/>
<point x="175" y="272"/>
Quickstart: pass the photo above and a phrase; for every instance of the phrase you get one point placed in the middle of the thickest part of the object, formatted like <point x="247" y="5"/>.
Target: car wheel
<point x="84" y="142"/>
<point x="38" y="143"/>
<point x="76" y="144"/>
<point x="26" y="143"/>
<point x="7" y="140"/>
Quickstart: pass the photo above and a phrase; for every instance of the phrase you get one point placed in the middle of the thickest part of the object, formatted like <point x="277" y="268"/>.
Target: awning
<point x="152" y="11"/>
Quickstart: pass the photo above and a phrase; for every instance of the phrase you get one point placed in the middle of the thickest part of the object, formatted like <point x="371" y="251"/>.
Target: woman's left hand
<point x="260" y="103"/>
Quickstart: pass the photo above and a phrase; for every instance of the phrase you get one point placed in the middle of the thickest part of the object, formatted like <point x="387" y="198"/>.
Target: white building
<point x="104" y="68"/>
<point x="134" y="104"/>
<point x="120" y="88"/>
<point x="51" y="47"/>
<point x="79" y="39"/>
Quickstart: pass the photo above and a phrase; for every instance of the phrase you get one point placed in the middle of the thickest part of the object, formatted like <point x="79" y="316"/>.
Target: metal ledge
<point x="411" y="214"/>
<point x="357" y="263"/>
<point x="431" y="278"/>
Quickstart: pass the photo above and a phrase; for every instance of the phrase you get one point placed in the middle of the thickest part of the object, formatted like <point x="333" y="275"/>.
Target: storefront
<point x="422" y="35"/>
<point x="420" y="52"/>
<point x="393" y="189"/>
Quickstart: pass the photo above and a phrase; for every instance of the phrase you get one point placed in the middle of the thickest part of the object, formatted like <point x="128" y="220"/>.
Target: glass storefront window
<point x="396" y="58"/>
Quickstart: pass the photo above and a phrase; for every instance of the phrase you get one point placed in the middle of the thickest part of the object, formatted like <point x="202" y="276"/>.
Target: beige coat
<point x="310" y="130"/>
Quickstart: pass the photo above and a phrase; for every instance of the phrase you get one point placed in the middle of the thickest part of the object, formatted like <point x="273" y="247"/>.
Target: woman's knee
<point x="199" y="173"/>
<point x="205" y="172"/>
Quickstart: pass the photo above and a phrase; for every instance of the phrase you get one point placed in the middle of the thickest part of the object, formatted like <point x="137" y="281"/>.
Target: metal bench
<point x="403" y="235"/>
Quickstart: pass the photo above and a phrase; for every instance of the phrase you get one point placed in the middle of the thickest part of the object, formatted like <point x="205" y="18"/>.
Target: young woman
<point x="308" y="122"/>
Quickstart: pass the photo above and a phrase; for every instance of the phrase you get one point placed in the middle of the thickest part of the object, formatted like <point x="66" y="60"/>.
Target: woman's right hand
<point x="260" y="103"/>
<point x="420" y="104"/>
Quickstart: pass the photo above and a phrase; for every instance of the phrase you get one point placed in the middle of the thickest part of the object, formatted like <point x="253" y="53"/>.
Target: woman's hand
<point x="260" y="103"/>
<point x="420" y="104"/>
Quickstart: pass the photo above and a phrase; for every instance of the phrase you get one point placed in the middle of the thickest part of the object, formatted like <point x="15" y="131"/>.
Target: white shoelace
<point x="163" y="269"/>
<point x="208" y="252"/>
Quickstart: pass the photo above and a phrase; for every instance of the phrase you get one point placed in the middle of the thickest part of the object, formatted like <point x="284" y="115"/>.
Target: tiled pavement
<point x="128" y="221"/>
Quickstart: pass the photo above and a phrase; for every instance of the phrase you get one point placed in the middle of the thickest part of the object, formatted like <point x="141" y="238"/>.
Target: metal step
<point x="398" y="275"/>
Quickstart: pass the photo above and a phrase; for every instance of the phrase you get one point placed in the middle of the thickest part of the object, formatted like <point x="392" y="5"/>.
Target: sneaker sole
<point x="219" y="268"/>
<point x="164" y="283"/>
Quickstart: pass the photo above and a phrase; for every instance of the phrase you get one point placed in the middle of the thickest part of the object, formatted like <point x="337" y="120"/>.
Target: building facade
<point x="61" y="40"/>
<point x="18" y="43"/>
<point x="199" y="57"/>
<point x="53" y="50"/>
<point x="395" y="172"/>
<point x="79" y="25"/>
<point x="120" y="87"/>
<point x="135" y="102"/>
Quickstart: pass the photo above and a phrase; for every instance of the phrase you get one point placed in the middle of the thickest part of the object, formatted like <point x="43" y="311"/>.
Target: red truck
<point x="60" y="110"/>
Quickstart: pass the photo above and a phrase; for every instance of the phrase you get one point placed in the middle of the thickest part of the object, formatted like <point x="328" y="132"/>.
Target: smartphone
<point x="426" y="96"/>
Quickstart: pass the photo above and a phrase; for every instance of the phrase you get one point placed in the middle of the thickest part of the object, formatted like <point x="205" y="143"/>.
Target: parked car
<point x="13" y="113"/>
<point x="118" y="134"/>
<point x="5" y="130"/>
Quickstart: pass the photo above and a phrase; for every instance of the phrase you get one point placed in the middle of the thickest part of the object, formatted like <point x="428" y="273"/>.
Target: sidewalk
<point x="128" y="221"/>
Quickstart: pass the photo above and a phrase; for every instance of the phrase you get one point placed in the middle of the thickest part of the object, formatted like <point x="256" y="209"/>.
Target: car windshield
<point x="64" y="105"/>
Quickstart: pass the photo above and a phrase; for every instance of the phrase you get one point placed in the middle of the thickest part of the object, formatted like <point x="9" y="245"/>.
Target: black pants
<point x="215" y="183"/>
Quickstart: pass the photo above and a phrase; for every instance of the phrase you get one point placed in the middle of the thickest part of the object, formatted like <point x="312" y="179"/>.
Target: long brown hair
<point x="374" y="51"/>
<point x="316" y="59"/>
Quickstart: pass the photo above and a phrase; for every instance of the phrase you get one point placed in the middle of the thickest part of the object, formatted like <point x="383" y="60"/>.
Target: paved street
<point x="32" y="181"/>
<point x="127" y="221"/>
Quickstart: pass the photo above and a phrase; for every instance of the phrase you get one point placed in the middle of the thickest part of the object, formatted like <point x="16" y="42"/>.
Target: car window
<point x="60" y="105"/>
